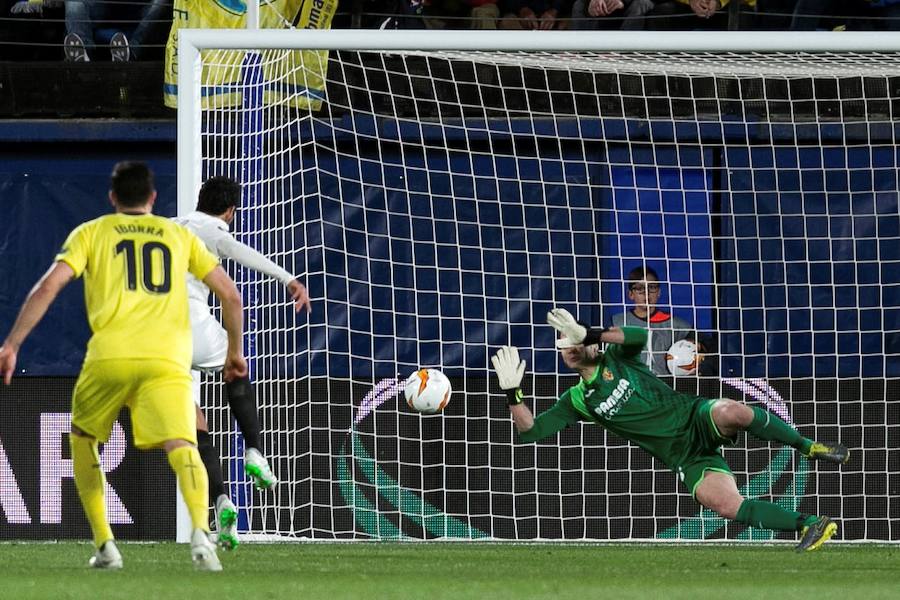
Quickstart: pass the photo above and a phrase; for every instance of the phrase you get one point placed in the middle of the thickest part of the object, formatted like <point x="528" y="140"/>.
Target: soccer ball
<point x="682" y="358"/>
<point x="427" y="391"/>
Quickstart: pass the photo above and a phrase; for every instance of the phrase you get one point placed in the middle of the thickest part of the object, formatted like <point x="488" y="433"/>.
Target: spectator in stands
<point x="691" y="14"/>
<point x="610" y="14"/>
<point x="664" y="329"/>
<point x="83" y="16"/>
<point x="484" y="14"/>
<point x="409" y="14"/>
<point x="810" y="15"/>
<point x="532" y="14"/>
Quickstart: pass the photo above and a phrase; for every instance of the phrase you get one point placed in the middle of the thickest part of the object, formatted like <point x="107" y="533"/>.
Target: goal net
<point x="437" y="203"/>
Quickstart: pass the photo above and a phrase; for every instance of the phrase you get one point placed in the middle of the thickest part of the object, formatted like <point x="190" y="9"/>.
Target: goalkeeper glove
<point x="573" y="332"/>
<point x="510" y="371"/>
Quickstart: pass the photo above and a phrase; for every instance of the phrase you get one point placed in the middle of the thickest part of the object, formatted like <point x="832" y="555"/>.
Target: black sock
<point x="242" y="400"/>
<point x="210" y="456"/>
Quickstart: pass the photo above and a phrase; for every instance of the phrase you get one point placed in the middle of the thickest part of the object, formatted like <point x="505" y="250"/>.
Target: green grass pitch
<point x="457" y="570"/>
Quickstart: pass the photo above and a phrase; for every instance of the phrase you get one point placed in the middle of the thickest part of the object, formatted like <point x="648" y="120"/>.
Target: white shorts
<point x="210" y="340"/>
<point x="210" y="345"/>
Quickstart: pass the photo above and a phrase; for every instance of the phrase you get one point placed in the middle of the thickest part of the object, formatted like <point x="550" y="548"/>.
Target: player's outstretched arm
<point x="299" y="295"/>
<point x="510" y="371"/>
<point x="573" y="333"/>
<point x="33" y="310"/>
<point x="251" y="259"/>
<point x="232" y="319"/>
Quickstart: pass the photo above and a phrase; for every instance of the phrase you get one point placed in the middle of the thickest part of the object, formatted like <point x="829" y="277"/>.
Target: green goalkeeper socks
<point x="766" y="515"/>
<point x="767" y="426"/>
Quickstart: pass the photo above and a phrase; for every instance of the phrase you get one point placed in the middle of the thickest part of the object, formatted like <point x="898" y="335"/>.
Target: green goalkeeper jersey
<point x="625" y="397"/>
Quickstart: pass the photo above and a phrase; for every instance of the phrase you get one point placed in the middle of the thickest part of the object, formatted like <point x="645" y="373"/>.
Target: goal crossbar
<point x="192" y="41"/>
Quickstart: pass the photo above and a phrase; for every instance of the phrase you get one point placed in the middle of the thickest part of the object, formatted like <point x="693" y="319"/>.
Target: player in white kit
<point x="218" y="200"/>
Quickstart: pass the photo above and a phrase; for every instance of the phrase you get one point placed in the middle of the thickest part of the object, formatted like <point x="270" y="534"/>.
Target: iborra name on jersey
<point x="136" y="228"/>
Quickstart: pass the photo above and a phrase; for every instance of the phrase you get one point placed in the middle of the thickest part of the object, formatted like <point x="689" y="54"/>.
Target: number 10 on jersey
<point x="155" y="265"/>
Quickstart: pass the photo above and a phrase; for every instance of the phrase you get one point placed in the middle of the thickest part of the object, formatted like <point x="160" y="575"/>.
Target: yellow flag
<point x="287" y="74"/>
<point x="298" y="76"/>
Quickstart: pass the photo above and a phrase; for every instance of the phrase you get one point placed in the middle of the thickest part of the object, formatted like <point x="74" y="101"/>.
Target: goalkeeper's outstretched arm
<point x="630" y="340"/>
<point x="510" y="371"/>
<point x="574" y="333"/>
<point x="522" y="417"/>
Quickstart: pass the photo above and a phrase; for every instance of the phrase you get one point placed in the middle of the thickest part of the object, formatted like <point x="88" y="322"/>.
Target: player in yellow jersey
<point x="135" y="268"/>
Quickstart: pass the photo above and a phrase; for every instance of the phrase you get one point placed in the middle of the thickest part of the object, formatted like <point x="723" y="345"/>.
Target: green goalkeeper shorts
<point x="705" y="449"/>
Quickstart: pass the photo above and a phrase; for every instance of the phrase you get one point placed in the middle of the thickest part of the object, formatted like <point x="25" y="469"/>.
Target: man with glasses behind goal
<point x="663" y="328"/>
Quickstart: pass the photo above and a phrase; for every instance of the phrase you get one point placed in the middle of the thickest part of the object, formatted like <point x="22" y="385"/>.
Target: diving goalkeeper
<point x="684" y="431"/>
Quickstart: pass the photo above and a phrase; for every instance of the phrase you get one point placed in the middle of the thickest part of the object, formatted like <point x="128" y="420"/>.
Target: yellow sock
<point x="193" y="482"/>
<point x="91" y="484"/>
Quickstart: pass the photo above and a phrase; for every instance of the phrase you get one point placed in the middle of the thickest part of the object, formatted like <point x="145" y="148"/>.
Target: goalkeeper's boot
<point x="203" y="552"/>
<point x="226" y="523"/>
<point x="106" y="557"/>
<point x="257" y="468"/>
<point x="816" y="534"/>
<point x="833" y="453"/>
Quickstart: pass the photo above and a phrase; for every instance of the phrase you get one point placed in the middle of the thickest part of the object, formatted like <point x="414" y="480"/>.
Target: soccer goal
<point x="440" y="191"/>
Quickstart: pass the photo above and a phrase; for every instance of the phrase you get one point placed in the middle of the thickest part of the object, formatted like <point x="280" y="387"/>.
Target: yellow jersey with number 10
<point x="135" y="284"/>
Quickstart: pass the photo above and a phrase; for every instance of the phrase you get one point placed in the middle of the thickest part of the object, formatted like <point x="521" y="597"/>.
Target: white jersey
<point x="214" y="233"/>
<point x="210" y="340"/>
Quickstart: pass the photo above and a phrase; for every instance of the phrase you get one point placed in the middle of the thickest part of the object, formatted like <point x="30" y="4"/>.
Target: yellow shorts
<point x="157" y="393"/>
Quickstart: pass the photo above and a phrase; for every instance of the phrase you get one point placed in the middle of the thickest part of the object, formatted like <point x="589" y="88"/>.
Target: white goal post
<point x="439" y="191"/>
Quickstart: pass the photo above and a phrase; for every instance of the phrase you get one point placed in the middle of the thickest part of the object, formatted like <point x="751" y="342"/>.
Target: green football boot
<point x="226" y="523"/>
<point x="257" y="468"/>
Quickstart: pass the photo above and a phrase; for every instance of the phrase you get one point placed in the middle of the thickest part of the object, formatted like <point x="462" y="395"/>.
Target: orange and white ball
<point x="428" y="391"/>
